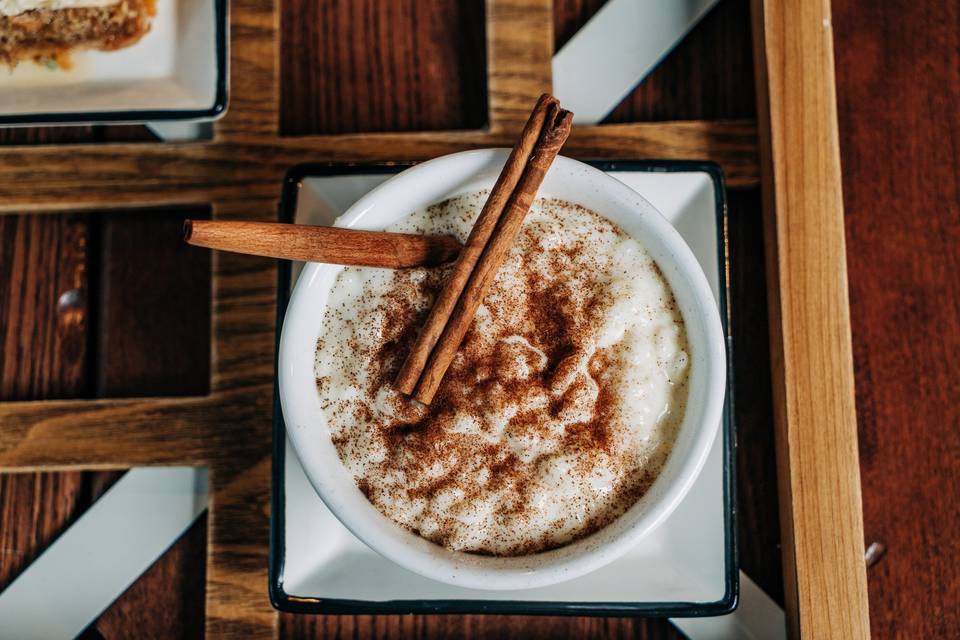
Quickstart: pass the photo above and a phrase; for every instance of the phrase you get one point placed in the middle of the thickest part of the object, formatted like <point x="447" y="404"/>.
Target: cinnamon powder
<point x="526" y="446"/>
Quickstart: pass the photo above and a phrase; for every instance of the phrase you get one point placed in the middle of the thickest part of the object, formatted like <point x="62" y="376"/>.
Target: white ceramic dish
<point x="687" y="566"/>
<point x="570" y="180"/>
<point x="177" y="71"/>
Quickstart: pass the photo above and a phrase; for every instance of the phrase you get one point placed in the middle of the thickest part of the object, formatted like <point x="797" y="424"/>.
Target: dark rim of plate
<point x="296" y="604"/>
<point x="219" y="106"/>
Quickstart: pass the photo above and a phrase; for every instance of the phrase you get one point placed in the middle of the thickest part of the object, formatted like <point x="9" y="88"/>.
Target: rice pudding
<point x="558" y="411"/>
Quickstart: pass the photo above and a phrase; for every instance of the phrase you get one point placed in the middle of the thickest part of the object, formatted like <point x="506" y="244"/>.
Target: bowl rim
<point x="579" y="557"/>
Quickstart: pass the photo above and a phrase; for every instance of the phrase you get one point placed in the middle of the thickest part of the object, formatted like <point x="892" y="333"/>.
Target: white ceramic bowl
<point x="570" y="180"/>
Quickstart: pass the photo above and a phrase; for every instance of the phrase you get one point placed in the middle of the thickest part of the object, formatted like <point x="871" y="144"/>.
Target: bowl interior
<point x="570" y="180"/>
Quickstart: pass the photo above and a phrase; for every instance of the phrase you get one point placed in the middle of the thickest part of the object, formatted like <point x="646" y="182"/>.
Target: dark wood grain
<point x="757" y="504"/>
<point x="382" y="65"/>
<point x="709" y="75"/>
<point x="43" y="307"/>
<point x="75" y="134"/>
<point x="898" y="77"/>
<point x="153" y="334"/>
<point x="481" y="627"/>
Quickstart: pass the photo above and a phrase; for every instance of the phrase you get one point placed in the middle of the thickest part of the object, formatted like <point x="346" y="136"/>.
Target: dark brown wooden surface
<point x="382" y="65"/>
<point x="43" y="307"/>
<point x="154" y="312"/>
<point x="898" y="84"/>
<point x="757" y="503"/>
<point x="75" y="134"/>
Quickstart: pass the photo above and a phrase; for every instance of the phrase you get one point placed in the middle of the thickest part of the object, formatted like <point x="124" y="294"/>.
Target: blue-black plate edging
<point x="296" y="604"/>
<point x="222" y="27"/>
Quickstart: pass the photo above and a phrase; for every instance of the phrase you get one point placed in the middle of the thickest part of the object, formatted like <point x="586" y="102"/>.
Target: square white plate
<point x="177" y="71"/>
<point x="686" y="567"/>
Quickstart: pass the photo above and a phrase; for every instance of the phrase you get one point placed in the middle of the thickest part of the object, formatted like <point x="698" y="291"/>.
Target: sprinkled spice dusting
<point x="558" y="411"/>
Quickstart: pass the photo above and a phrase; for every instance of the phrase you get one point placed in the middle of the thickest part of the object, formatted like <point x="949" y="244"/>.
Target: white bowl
<point x="570" y="180"/>
<point x="177" y="71"/>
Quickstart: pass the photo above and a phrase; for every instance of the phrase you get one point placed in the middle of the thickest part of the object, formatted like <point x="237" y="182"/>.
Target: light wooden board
<point x="239" y="173"/>
<point x="817" y="456"/>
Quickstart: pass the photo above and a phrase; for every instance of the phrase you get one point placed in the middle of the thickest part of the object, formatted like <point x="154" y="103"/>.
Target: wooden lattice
<point x="239" y="174"/>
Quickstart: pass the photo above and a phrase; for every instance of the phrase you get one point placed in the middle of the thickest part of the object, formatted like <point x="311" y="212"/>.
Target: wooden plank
<point x="519" y="55"/>
<point x="757" y="502"/>
<point x="899" y="113"/>
<point x="43" y="307"/>
<point x="237" y="603"/>
<point x="75" y="134"/>
<point x="382" y="65"/>
<point x="298" y="627"/>
<point x="153" y="333"/>
<point x="67" y="177"/>
<point x="709" y="75"/>
<point x="821" y="514"/>
<point x="254" y="87"/>
<point x="47" y="261"/>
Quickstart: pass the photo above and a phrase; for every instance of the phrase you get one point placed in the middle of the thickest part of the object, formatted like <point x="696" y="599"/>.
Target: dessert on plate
<point x="47" y="31"/>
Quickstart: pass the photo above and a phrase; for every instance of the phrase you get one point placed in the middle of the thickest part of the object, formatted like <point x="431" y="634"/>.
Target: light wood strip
<point x="519" y="57"/>
<point x="254" y="92"/>
<point x="237" y="605"/>
<point x="816" y="428"/>
<point x="68" y="177"/>
<point x="121" y="433"/>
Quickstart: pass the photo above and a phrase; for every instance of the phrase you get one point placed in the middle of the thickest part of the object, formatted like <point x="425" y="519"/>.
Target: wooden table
<point x="97" y="304"/>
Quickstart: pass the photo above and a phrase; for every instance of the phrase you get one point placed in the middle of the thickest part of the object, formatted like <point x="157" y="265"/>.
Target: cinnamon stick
<point x="483" y="228"/>
<point x="322" y="244"/>
<point x="554" y="132"/>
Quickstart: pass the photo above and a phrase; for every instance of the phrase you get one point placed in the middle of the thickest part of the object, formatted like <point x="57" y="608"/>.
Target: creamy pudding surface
<point x="559" y="409"/>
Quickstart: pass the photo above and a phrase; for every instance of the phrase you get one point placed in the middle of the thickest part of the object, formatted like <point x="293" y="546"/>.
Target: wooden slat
<point x="899" y="111"/>
<point x="757" y="503"/>
<point x="43" y="307"/>
<point x="519" y="56"/>
<point x="821" y="516"/>
<point x="300" y="627"/>
<point x="254" y="88"/>
<point x="237" y="604"/>
<point x="46" y="263"/>
<point x="382" y="65"/>
<point x="153" y="329"/>
<point x="75" y="134"/>
<point x="115" y="433"/>
<point x="59" y="178"/>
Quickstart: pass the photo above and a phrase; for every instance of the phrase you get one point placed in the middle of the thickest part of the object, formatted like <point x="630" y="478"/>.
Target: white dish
<point x="569" y="180"/>
<point x="685" y="567"/>
<point x="177" y="71"/>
